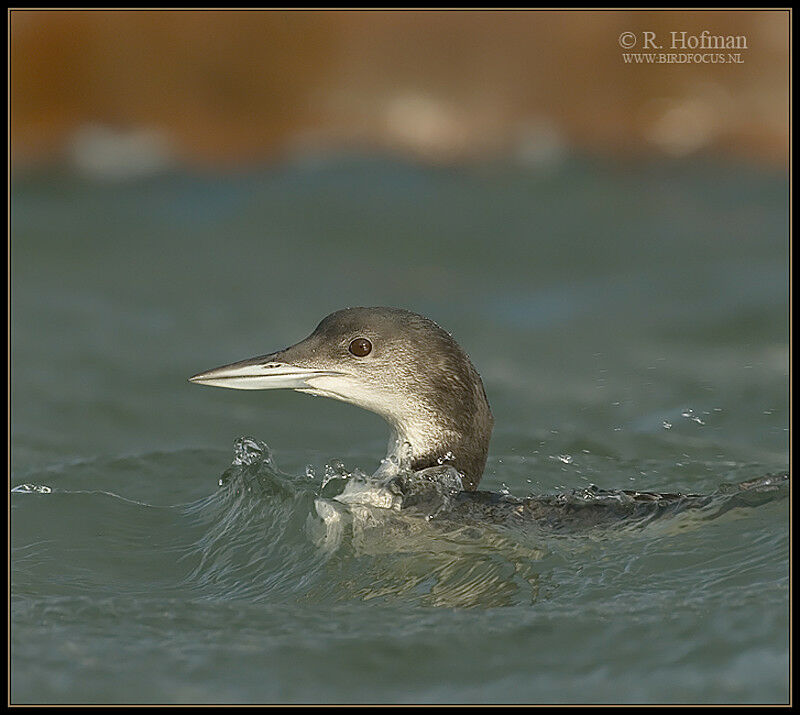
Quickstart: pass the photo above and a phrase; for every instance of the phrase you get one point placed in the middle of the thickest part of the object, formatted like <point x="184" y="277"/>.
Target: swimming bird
<point x="395" y="363"/>
<point x="412" y="373"/>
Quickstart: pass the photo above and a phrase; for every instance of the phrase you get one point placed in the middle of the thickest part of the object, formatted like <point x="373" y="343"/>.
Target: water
<point x="631" y="327"/>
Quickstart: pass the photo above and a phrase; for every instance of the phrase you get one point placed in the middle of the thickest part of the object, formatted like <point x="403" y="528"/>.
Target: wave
<point x="268" y="536"/>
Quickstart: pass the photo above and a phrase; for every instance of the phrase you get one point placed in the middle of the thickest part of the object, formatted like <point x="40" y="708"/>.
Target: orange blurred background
<point x="230" y="88"/>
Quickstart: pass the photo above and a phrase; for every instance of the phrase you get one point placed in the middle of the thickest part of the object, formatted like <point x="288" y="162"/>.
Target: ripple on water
<point x="264" y="535"/>
<point x="327" y="554"/>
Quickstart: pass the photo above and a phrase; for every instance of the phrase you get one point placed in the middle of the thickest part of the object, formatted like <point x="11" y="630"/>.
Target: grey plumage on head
<point x="396" y="363"/>
<point x="423" y="384"/>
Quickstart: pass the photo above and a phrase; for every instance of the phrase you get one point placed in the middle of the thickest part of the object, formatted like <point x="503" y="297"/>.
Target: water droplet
<point x="334" y="470"/>
<point x="448" y="457"/>
<point x="689" y="414"/>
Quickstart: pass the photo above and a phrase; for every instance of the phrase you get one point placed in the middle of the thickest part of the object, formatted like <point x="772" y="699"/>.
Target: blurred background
<point x="190" y="188"/>
<point x="110" y="92"/>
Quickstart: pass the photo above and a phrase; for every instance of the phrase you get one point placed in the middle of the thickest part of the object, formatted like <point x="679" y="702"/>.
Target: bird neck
<point x="422" y="443"/>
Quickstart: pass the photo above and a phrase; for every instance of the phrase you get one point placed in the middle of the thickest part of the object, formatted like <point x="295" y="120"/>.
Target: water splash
<point x="248" y="450"/>
<point x="31" y="489"/>
<point x="369" y="491"/>
<point x="430" y="491"/>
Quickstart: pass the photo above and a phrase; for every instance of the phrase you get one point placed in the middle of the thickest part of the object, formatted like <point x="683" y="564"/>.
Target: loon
<point x="393" y="362"/>
<point x="412" y="373"/>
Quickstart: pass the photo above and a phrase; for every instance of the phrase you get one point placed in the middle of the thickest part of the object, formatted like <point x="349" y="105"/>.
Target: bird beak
<point x="265" y="372"/>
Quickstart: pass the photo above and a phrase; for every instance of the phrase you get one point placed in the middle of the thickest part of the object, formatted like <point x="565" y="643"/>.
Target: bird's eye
<point x="360" y="347"/>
